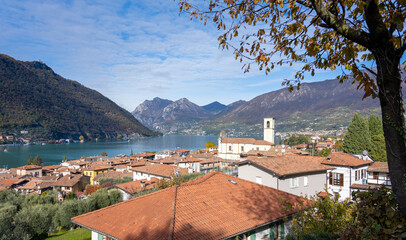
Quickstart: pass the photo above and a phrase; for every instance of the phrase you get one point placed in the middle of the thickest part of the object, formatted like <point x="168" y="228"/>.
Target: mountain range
<point x="324" y="105"/>
<point x="163" y="112"/>
<point x="35" y="99"/>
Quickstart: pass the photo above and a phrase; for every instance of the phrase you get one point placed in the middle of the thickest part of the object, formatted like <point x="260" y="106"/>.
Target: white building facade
<point x="232" y="148"/>
<point x="348" y="170"/>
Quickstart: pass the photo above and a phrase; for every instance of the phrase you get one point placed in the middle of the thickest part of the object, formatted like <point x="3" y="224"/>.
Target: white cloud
<point x="129" y="51"/>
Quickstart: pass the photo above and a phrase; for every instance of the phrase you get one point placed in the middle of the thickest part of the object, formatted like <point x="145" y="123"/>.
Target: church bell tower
<point x="269" y="133"/>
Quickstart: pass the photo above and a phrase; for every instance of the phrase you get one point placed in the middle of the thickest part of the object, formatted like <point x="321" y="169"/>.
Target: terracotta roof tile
<point x="379" y="167"/>
<point x="10" y="182"/>
<point x="238" y="140"/>
<point x="29" y="167"/>
<point x="148" y="217"/>
<point x="135" y="186"/>
<point x="214" y="206"/>
<point x="112" y="174"/>
<point x="180" y="150"/>
<point x="160" y="170"/>
<point x="68" y="180"/>
<point x="143" y="154"/>
<point x="344" y="159"/>
<point x="98" y="167"/>
<point x="51" y="167"/>
<point x="36" y="185"/>
<point x="262" y="142"/>
<point x="289" y="164"/>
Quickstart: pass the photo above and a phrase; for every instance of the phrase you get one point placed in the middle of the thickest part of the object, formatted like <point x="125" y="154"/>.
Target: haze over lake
<point x="54" y="153"/>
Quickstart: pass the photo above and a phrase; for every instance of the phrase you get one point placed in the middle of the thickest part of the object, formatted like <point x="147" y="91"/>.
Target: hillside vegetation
<point x="34" y="98"/>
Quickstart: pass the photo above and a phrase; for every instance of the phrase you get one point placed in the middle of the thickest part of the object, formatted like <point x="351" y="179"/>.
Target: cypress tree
<point x="375" y="125"/>
<point x="29" y="162"/>
<point x="378" y="146"/>
<point x="357" y="139"/>
<point x="37" y="161"/>
<point x="378" y="149"/>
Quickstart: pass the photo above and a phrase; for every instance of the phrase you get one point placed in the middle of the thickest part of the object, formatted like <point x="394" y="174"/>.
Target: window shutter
<point x="341" y="179"/>
<point x="283" y="230"/>
<point x="330" y="179"/>
<point x="272" y="232"/>
<point x="252" y="237"/>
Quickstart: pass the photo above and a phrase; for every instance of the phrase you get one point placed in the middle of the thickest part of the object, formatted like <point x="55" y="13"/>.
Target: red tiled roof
<point x="29" y="167"/>
<point x="112" y="174"/>
<point x="143" y="154"/>
<point x="274" y="152"/>
<point x="214" y="206"/>
<point x="68" y="180"/>
<point x="344" y="159"/>
<point x="289" y="164"/>
<point x="379" y="167"/>
<point x="160" y="170"/>
<point x="246" y="141"/>
<point x="97" y="168"/>
<point x="36" y="185"/>
<point x="52" y="167"/>
<point x="238" y="140"/>
<point x="181" y="150"/>
<point x="262" y="142"/>
<point x="135" y="186"/>
<point x="10" y="182"/>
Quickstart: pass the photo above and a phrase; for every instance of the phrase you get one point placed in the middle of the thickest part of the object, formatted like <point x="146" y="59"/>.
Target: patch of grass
<point x="77" y="234"/>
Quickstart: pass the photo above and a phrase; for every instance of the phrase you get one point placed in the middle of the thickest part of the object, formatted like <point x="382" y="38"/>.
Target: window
<point x="242" y="148"/>
<point x="268" y="124"/>
<point x="230" y="148"/>
<point x="356" y="175"/>
<point x="257" y="148"/>
<point x="258" y="180"/>
<point x="376" y="175"/>
<point x="294" y="182"/>
<point x="305" y="181"/>
<point x="336" y="179"/>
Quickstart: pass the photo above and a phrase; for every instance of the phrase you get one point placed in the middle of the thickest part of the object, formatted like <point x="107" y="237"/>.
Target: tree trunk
<point x="390" y="96"/>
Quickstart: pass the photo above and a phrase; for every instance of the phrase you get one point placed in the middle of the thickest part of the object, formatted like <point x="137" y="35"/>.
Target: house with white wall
<point x="232" y="148"/>
<point x="295" y="174"/>
<point x="348" y="170"/>
<point x="378" y="175"/>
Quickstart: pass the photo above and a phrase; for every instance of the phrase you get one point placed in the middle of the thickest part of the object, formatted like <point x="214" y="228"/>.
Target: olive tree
<point x="324" y="34"/>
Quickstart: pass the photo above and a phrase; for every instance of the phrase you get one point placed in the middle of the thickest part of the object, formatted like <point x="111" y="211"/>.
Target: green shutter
<point x="272" y="232"/>
<point x="283" y="230"/>
<point x="99" y="236"/>
<point x="252" y="237"/>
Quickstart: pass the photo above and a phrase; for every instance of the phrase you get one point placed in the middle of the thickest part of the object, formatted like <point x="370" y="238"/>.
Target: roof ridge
<point x="174" y="213"/>
<point x="200" y="179"/>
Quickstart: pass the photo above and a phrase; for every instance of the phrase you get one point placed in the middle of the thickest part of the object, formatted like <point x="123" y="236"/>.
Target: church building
<point x="232" y="148"/>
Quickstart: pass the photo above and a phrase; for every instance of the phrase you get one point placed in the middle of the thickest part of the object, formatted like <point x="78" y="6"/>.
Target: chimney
<point x="142" y="184"/>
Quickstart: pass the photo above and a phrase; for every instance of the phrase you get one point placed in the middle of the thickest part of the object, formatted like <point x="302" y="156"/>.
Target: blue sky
<point x="131" y="51"/>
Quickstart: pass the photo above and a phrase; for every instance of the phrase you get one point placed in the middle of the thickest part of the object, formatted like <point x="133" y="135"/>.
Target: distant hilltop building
<point x="232" y="148"/>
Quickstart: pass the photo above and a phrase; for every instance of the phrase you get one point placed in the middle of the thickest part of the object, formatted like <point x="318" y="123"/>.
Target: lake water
<point x="54" y="153"/>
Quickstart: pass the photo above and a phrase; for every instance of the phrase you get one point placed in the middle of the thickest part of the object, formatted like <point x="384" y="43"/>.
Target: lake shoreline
<point x="53" y="154"/>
